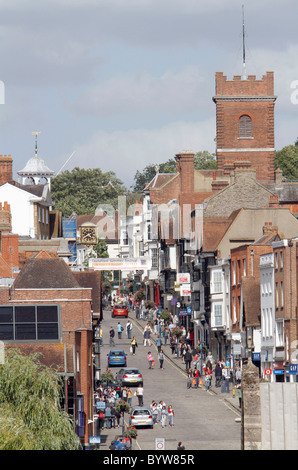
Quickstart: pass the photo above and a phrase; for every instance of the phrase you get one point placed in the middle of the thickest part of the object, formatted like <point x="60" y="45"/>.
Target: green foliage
<point x="203" y="161"/>
<point x="287" y="160"/>
<point x="81" y="191"/>
<point x="30" y="413"/>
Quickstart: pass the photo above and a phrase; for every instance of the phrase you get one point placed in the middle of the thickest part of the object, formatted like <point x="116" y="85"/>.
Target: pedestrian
<point x="124" y="394"/>
<point x="239" y="395"/>
<point x="100" y="336"/>
<point x="171" y="415"/>
<point x="161" y="359"/>
<point x="128" y="329"/>
<point x="133" y="345"/>
<point x="218" y="375"/>
<point x="154" y="412"/>
<point x="196" y="376"/>
<point x="189" y="378"/>
<point x="119" y="330"/>
<point x="158" y="343"/>
<point x="163" y="416"/>
<point x="121" y="445"/>
<point x="150" y="360"/>
<point x="137" y="311"/>
<point x="108" y="416"/>
<point x="112" y="446"/>
<point x="165" y="334"/>
<point x="140" y="395"/>
<point x="188" y="359"/>
<point x="147" y="335"/>
<point x="238" y="376"/>
<point x="208" y="375"/>
<point x="112" y="334"/>
<point x="129" y="397"/>
<point x="180" y="446"/>
<point x="226" y="380"/>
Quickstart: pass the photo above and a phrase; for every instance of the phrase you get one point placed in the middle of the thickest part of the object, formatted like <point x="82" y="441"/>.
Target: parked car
<point x="129" y="376"/>
<point x="116" y="357"/>
<point x="119" y="311"/>
<point x="141" y="416"/>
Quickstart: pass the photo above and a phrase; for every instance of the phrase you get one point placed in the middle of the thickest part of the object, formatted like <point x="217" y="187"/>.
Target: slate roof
<point x="51" y="273"/>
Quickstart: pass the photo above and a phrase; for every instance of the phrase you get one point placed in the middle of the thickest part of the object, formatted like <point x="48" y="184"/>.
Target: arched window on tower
<point x="245" y="126"/>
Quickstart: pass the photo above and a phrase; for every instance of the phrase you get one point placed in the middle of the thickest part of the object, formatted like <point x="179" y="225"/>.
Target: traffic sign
<point x="94" y="440"/>
<point x="267" y="371"/>
<point x="159" y="443"/>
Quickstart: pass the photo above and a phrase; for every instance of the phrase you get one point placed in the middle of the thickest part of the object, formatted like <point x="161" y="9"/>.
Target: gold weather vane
<point x="36" y="134"/>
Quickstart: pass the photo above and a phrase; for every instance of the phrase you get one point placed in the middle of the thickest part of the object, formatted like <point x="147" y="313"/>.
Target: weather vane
<point x="36" y="134"/>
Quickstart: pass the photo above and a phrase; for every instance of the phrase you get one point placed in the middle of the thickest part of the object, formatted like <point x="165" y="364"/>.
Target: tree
<point x="30" y="413"/>
<point x="287" y="160"/>
<point x="81" y="191"/>
<point x="203" y="160"/>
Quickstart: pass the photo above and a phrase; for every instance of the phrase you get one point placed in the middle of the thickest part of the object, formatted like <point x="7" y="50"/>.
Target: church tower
<point x="245" y="121"/>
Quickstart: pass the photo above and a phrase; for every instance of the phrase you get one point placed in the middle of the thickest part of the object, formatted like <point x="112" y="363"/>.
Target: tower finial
<point x="36" y="134"/>
<point x="244" y="76"/>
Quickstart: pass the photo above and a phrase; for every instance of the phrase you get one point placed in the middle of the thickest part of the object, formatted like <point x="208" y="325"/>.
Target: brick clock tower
<point x="245" y="124"/>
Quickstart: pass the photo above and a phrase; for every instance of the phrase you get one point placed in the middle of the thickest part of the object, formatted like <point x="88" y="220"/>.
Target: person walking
<point x="189" y="378"/>
<point x="226" y="380"/>
<point x="147" y="335"/>
<point x="161" y="358"/>
<point x="171" y="415"/>
<point x="133" y="344"/>
<point x="150" y="360"/>
<point x="187" y="359"/>
<point x="140" y="395"/>
<point x="112" y="335"/>
<point x="163" y="416"/>
<point x="196" y="376"/>
<point x="129" y="396"/>
<point x="119" y="330"/>
<point x="128" y="329"/>
<point x="218" y="374"/>
<point x="100" y="336"/>
<point x="158" y="343"/>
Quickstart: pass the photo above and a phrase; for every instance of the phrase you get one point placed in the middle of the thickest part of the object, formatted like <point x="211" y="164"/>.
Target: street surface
<point x="203" y="420"/>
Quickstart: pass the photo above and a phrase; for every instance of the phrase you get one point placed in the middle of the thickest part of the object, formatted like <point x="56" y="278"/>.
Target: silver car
<point x="129" y="376"/>
<point x="141" y="416"/>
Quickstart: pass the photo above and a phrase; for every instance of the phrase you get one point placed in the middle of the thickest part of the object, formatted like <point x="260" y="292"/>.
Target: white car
<point x="129" y="376"/>
<point x="141" y="416"/>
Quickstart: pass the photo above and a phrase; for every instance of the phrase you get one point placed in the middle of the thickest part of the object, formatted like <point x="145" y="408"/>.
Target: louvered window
<point x="245" y="126"/>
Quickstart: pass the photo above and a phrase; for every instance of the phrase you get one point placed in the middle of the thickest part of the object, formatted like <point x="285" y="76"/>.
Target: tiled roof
<point x="51" y="273"/>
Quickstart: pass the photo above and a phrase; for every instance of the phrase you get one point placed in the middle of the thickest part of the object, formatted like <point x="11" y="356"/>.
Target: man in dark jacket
<point x="218" y="375"/>
<point x="187" y="359"/>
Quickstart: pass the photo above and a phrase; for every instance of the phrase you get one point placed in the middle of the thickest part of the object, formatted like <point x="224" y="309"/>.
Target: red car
<point x="120" y="311"/>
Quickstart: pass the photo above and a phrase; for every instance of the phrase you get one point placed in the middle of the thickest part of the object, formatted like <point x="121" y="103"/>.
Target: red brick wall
<point x="261" y="111"/>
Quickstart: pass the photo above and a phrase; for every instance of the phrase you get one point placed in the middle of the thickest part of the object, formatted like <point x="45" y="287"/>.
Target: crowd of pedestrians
<point x="166" y="332"/>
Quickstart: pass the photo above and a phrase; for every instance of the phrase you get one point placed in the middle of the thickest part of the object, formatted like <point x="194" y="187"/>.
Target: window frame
<point x="245" y="127"/>
<point x="18" y="327"/>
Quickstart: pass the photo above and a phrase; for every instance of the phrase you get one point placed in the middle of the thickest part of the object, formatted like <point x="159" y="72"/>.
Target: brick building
<point x="49" y="312"/>
<point x="245" y="123"/>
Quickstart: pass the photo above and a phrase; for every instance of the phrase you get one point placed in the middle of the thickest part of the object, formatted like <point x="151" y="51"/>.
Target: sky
<point x="120" y="84"/>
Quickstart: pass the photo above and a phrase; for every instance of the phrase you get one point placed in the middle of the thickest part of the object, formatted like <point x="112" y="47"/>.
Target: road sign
<point x="267" y="371"/>
<point x="160" y="443"/>
<point x="94" y="440"/>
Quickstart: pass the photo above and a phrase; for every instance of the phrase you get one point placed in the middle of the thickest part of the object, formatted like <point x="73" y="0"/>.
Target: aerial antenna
<point x="244" y="76"/>
<point x="65" y="163"/>
<point x="36" y="134"/>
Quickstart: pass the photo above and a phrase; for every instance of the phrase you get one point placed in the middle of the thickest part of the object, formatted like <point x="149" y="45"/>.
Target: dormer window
<point x="245" y="126"/>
